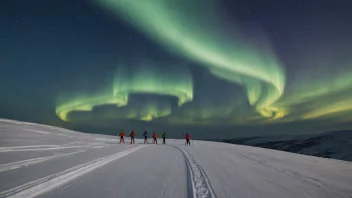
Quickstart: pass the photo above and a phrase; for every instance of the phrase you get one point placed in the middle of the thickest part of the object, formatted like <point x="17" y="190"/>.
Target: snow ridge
<point x="51" y="182"/>
<point x="200" y="184"/>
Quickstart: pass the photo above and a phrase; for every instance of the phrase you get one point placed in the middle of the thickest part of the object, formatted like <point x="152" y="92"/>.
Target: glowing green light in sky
<point x="174" y="81"/>
<point x="319" y="94"/>
<point x="248" y="63"/>
<point x="179" y="25"/>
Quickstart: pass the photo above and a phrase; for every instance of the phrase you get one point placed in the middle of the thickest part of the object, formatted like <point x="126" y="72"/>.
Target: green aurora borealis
<point x="258" y="72"/>
<point x="245" y="80"/>
<point x="242" y="63"/>
<point x="175" y="81"/>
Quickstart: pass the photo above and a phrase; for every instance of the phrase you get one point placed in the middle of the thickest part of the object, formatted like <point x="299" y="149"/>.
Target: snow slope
<point x="38" y="160"/>
<point x="336" y="144"/>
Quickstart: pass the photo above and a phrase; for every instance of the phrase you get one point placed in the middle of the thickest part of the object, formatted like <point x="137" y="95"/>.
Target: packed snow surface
<point x="38" y="160"/>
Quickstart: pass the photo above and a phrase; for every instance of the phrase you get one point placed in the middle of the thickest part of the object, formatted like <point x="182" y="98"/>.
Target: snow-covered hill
<point x="336" y="144"/>
<point x="38" y="160"/>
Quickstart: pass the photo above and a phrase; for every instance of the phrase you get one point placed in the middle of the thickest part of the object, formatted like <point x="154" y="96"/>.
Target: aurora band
<point x="183" y="27"/>
<point x="172" y="81"/>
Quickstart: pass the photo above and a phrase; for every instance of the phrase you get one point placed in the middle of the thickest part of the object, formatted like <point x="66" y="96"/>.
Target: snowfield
<point x="38" y="160"/>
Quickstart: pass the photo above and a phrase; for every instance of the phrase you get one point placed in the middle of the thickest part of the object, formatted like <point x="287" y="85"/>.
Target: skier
<point x="145" y="134"/>
<point x="188" y="137"/>
<point x="132" y="137"/>
<point x="122" y="135"/>
<point x="164" y="137"/>
<point x="155" y="138"/>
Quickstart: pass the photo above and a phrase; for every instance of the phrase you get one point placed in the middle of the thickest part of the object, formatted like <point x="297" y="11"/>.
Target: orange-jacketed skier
<point x="122" y="137"/>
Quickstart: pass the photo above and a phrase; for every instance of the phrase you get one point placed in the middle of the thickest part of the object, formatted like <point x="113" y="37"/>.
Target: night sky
<point x="214" y="68"/>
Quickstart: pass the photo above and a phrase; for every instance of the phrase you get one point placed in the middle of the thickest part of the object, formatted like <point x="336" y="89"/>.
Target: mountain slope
<point x="52" y="162"/>
<point x="336" y="144"/>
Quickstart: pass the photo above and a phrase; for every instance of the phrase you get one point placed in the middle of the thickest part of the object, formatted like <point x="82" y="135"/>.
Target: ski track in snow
<point x="52" y="182"/>
<point x="200" y="183"/>
<point x="43" y="148"/>
<point x="24" y="147"/>
<point x="19" y="164"/>
<point x="40" y="132"/>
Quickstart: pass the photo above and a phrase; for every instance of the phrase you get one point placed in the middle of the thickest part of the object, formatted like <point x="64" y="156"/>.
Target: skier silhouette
<point x="132" y="137"/>
<point x="164" y="137"/>
<point x="155" y="138"/>
<point x="145" y="135"/>
<point x="188" y="137"/>
<point x="122" y="137"/>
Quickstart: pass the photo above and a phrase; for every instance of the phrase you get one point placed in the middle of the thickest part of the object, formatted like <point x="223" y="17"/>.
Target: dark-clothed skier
<point x="164" y="137"/>
<point x="132" y="137"/>
<point x="145" y="135"/>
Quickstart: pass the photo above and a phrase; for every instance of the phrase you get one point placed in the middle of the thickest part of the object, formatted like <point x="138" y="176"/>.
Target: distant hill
<point x="335" y="144"/>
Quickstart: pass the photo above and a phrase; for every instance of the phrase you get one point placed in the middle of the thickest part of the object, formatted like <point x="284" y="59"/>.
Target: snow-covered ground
<point x="38" y="160"/>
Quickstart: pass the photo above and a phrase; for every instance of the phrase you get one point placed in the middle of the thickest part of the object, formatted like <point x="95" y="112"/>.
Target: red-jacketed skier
<point x="188" y="137"/>
<point x="155" y="138"/>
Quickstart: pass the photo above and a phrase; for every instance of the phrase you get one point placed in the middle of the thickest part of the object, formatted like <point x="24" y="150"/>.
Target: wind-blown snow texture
<point x="336" y="144"/>
<point x="53" y="162"/>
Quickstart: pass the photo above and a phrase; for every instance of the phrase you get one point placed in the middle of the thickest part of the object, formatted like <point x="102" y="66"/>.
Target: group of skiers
<point x="154" y="136"/>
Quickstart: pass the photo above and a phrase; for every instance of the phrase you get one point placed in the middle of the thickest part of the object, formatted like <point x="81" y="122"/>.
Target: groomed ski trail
<point x="201" y="187"/>
<point x="52" y="182"/>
